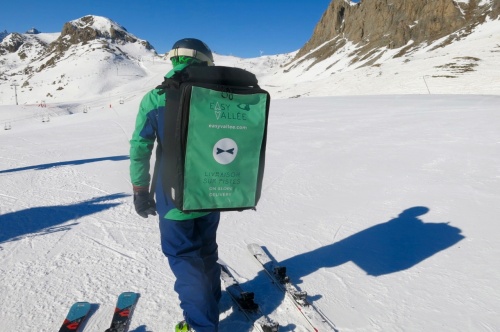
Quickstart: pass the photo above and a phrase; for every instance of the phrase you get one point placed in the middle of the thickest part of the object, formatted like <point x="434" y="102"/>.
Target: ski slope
<point x="341" y="172"/>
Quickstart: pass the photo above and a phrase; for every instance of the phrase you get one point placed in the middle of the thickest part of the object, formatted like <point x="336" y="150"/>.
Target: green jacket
<point x="149" y="128"/>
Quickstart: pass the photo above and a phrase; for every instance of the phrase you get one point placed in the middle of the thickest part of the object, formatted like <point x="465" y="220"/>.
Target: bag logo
<point x="224" y="111"/>
<point x="225" y="150"/>
<point x="244" y="107"/>
<point x="219" y="151"/>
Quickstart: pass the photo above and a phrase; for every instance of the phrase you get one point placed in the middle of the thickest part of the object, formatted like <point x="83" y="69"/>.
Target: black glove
<point x="144" y="205"/>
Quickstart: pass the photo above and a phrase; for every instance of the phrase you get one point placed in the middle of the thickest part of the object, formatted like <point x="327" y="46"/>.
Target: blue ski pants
<point x="191" y="249"/>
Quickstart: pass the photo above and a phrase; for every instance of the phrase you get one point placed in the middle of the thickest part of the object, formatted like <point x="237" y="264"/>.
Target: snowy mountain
<point x="375" y="26"/>
<point x="468" y="65"/>
<point x="62" y="65"/>
<point x="380" y="193"/>
<point x="417" y="39"/>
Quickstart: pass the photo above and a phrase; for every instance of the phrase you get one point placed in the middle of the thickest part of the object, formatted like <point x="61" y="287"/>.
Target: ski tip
<point x="82" y="304"/>
<point x="76" y="316"/>
<point x="130" y="296"/>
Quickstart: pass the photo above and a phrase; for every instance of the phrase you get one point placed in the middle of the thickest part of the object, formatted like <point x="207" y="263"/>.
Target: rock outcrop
<point x="11" y="43"/>
<point x="89" y="28"/>
<point x="373" y="24"/>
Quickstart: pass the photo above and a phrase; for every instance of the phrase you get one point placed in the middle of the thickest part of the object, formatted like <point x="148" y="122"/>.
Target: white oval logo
<point x="225" y="151"/>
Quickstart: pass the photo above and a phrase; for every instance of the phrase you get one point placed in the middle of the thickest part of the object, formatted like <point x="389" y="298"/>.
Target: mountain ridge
<point x="96" y="54"/>
<point x="385" y="23"/>
<point x="90" y="43"/>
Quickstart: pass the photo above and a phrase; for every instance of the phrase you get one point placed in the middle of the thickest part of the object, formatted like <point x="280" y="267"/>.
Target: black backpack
<point x="215" y="138"/>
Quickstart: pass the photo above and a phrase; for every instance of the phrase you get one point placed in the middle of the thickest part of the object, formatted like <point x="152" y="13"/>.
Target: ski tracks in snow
<point x="73" y="239"/>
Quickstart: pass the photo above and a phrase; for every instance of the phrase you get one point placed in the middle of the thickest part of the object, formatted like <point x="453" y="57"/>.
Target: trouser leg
<point x="209" y="252"/>
<point x="191" y="249"/>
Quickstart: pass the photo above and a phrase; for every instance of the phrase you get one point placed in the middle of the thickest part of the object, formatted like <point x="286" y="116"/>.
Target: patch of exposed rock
<point x="373" y="24"/>
<point x="84" y="30"/>
<point x="11" y="43"/>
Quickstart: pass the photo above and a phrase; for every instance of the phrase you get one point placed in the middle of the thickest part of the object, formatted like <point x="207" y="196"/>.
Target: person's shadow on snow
<point x="49" y="219"/>
<point x="389" y="247"/>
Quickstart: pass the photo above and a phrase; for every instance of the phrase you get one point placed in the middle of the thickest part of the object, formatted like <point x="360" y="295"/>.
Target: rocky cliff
<point x="12" y="43"/>
<point x="91" y="28"/>
<point x="393" y="24"/>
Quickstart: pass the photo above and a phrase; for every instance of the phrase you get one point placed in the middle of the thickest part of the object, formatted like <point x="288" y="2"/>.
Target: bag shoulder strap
<point x="219" y="75"/>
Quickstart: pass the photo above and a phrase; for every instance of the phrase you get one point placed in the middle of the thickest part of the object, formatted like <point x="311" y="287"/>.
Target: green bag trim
<point x="178" y="215"/>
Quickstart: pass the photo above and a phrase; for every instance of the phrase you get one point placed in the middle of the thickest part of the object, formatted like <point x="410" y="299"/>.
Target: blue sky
<point x="244" y="28"/>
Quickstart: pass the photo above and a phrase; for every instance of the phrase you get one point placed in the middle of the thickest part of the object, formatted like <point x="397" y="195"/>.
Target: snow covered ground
<point x="383" y="207"/>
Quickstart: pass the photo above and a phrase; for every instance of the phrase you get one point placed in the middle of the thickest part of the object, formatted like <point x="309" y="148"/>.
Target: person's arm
<point x="141" y="148"/>
<point x="142" y="142"/>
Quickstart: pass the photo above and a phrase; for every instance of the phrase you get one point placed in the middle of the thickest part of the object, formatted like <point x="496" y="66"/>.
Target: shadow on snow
<point x="389" y="247"/>
<point x="65" y="163"/>
<point x="49" y="219"/>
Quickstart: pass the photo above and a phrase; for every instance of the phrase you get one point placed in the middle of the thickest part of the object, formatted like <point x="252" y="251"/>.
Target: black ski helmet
<point x="194" y="48"/>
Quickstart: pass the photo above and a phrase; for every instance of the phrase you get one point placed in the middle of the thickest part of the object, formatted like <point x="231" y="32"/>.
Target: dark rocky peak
<point x="393" y="24"/>
<point x="3" y="34"/>
<point x="33" y="31"/>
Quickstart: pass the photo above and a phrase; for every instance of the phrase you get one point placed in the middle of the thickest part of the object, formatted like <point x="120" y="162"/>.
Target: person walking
<point x="188" y="240"/>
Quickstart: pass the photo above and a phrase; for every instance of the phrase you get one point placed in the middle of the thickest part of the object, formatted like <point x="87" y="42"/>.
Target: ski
<point x="245" y="302"/>
<point x="76" y="316"/>
<point x="313" y="315"/>
<point x="123" y="312"/>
